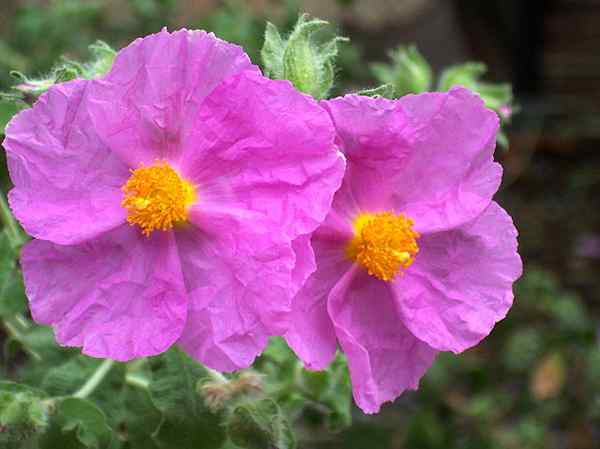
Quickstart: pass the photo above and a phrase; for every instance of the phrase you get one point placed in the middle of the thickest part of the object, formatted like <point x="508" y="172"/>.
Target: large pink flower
<point x="171" y="201"/>
<point x="414" y="257"/>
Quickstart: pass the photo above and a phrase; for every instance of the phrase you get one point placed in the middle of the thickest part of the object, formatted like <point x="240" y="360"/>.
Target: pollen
<point x="157" y="198"/>
<point x="383" y="243"/>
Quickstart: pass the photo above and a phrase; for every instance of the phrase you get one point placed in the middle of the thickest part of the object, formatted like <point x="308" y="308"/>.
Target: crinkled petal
<point x="260" y="145"/>
<point x="120" y="296"/>
<point x="384" y="358"/>
<point x="374" y="135"/>
<point x="67" y="182"/>
<point x="429" y="156"/>
<point x="311" y="334"/>
<point x="145" y="104"/>
<point x="460" y="284"/>
<point x="305" y="263"/>
<point x="240" y="285"/>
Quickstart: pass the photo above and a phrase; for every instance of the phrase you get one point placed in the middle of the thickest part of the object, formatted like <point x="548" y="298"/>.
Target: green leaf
<point x="339" y="396"/>
<point x="187" y="421"/>
<point x="140" y="420"/>
<point x="41" y="339"/>
<point x="260" y="425"/>
<point x="77" y="423"/>
<point x="67" y="377"/>
<point x="12" y="294"/>
<point x="272" y="52"/>
<point x="330" y="388"/>
<point x="8" y="111"/>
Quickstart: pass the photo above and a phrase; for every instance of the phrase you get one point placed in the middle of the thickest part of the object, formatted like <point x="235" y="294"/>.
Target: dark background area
<point x="535" y="382"/>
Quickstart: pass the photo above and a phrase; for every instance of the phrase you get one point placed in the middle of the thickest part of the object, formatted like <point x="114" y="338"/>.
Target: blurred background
<point x="535" y="382"/>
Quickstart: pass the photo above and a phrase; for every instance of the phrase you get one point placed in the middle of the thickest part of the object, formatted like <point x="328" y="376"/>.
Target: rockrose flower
<point x="414" y="257"/>
<point x="171" y="201"/>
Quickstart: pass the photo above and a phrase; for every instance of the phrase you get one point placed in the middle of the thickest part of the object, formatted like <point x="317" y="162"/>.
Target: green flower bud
<point x="409" y="72"/>
<point x="495" y="96"/>
<point x="100" y="63"/>
<point x="22" y="415"/>
<point x="299" y="59"/>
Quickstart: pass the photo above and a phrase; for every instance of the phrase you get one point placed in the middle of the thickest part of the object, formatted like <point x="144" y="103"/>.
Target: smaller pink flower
<point x="414" y="257"/>
<point x="171" y="201"/>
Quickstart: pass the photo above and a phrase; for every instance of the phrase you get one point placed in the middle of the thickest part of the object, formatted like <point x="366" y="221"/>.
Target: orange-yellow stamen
<point x="383" y="243"/>
<point x="157" y="197"/>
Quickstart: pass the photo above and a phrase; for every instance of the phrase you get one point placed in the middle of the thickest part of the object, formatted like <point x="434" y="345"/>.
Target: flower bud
<point x="495" y="96"/>
<point x="409" y="72"/>
<point x="299" y="59"/>
<point x="22" y="415"/>
<point x="100" y="63"/>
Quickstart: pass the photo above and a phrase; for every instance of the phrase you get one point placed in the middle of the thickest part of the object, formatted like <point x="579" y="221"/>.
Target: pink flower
<point x="171" y="201"/>
<point x="414" y="257"/>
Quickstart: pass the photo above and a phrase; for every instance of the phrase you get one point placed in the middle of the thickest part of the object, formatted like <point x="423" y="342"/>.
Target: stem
<point x="12" y="326"/>
<point x="13" y="231"/>
<point x="93" y="382"/>
<point x="22" y="321"/>
<point x="137" y="380"/>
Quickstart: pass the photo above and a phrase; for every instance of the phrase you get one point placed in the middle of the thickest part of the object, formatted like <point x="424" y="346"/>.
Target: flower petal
<point x="67" y="183"/>
<point x="305" y="264"/>
<point x="460" y="284"/>
<point x="311" y="334"/>
<point x="144" y="105"/>
<point x="120" y="296"/>
<point x="384" y="358"/>
<point x="240" y="285"/>
<point x="451" y="176"/>
<point x="429" y="156"/>
<point x="260" y="145"/>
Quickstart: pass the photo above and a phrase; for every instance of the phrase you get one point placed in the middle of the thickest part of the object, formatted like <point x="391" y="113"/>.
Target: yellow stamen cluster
<point x="156" y="197"/>
<point x="383" y="243"/>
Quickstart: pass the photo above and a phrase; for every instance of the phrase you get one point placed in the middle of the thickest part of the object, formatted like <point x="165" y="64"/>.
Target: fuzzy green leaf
<point x="260" y="425"/>
<point x="77" y="423"/>
<point x="187" y="421"/>
<point x="272" y="52"/>
<point x="12" y="294"/>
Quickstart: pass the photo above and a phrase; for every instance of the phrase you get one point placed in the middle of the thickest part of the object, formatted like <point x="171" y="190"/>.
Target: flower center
<point x="156" y="197"/>
<point x="383" y="243"/>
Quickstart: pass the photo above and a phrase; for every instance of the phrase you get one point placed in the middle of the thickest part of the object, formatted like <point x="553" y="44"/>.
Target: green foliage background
<point x="534" y="383"/>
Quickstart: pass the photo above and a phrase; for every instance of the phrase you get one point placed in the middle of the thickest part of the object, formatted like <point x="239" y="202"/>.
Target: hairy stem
<point x="137" y="380"/>
<point x="15" y="327"/>
<point x="14" y="233"/>
<point x="93" y="382"/>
